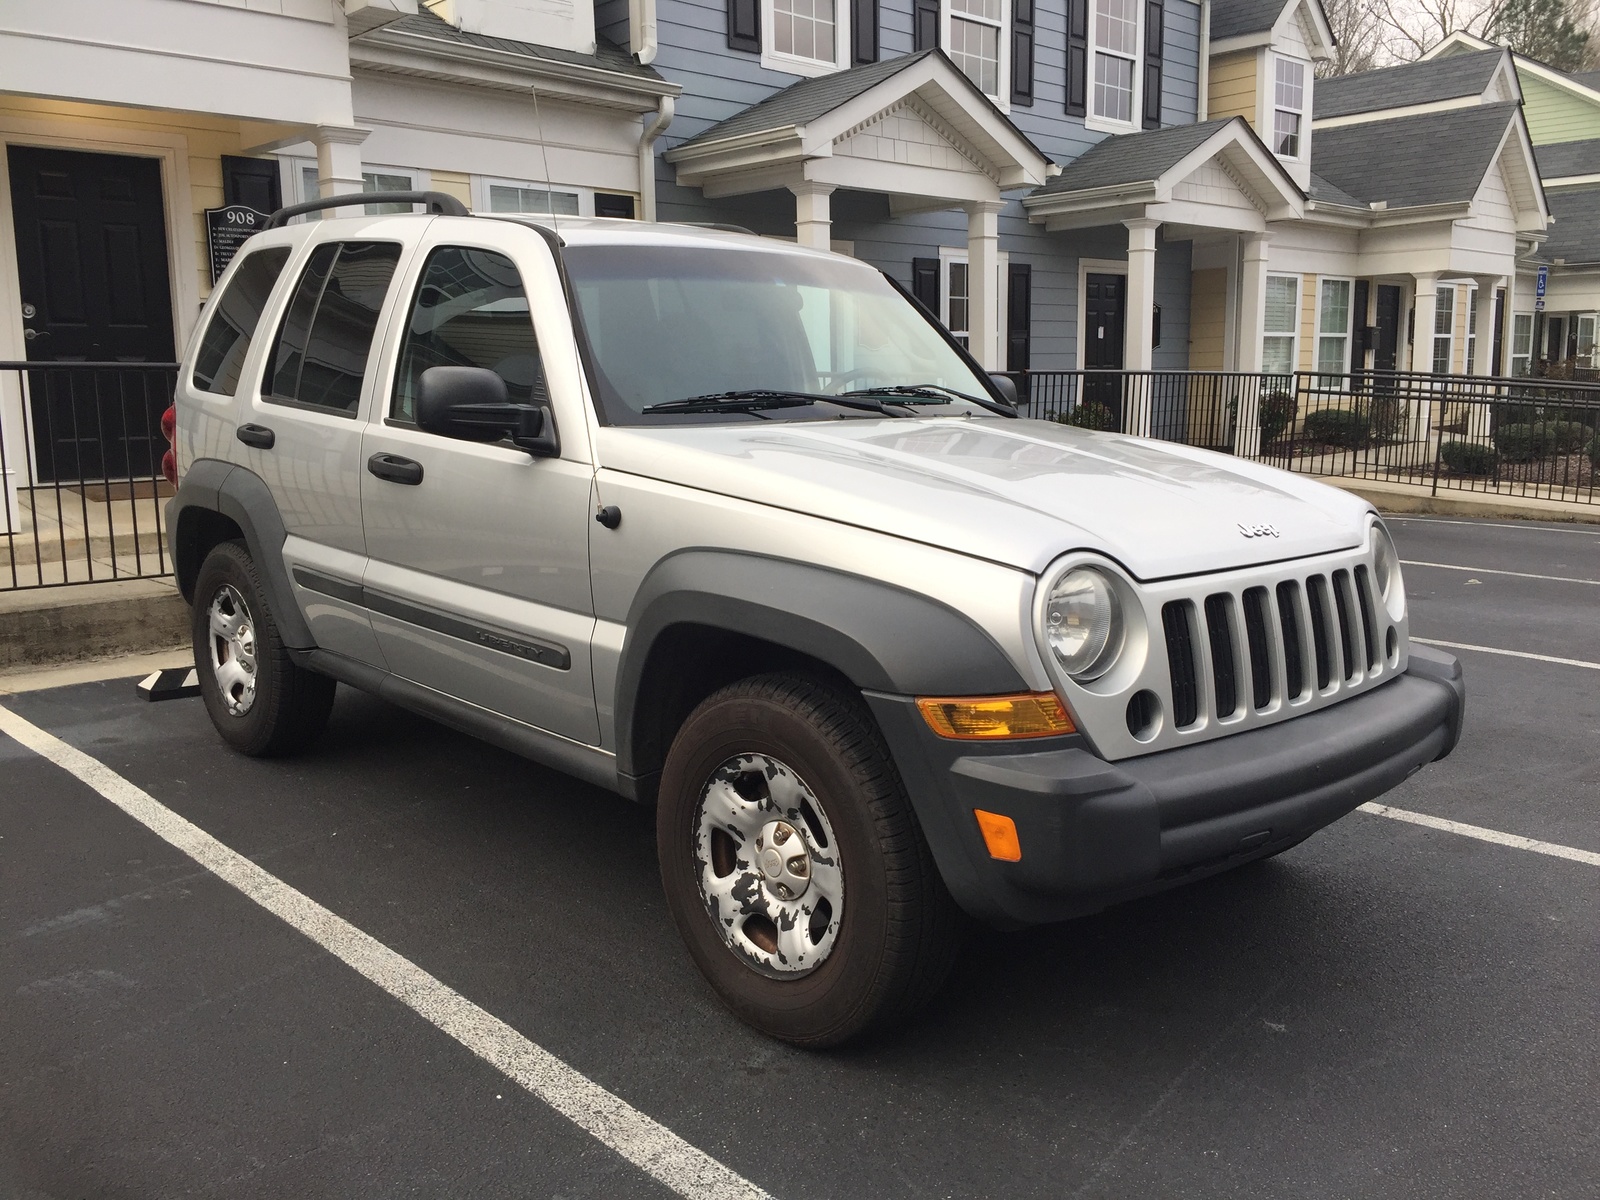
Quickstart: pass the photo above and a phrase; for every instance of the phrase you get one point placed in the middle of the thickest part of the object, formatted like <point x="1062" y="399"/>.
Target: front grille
<point x="1272" y="644"/>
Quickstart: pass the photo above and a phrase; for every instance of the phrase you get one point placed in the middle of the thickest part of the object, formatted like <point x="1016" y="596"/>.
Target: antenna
<point x="544" y="156"/>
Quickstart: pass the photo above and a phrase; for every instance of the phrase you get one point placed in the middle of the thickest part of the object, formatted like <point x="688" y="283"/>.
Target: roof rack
<point x="724" y="226"/>
<point x="439" y="204"/>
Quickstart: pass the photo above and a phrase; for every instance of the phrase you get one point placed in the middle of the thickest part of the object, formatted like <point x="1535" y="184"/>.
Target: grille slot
<point x="1294" y="667"/>
<point x="1177" y="624"/>
<point x="1347" y="631"/>
<point x="1220" y="630"/>
<point x="1317" y="595"/>
<point x="1364" y="599"/>
<point x="1255" y="633"/>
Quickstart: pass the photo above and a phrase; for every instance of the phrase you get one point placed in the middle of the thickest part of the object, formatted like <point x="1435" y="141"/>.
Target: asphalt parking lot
<point x="1387" y="1010"/>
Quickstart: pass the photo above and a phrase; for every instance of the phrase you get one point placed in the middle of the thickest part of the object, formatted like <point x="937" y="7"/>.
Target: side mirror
<point x="470" y="403"/>
<point x="1006" y="386"/>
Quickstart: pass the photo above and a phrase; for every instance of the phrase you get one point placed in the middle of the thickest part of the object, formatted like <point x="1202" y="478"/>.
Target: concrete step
<point x="39" y="626"/>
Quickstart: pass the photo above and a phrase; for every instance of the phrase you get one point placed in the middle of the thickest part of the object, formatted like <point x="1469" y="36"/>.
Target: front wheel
<point x="793" y="864"/>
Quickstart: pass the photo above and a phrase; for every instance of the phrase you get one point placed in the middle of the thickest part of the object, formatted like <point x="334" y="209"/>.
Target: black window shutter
<point x="1077" y="57"/>
<point x="744" y="25"/>
<point x="1022" y="52"/>
<point x="925" y="24"/>
<point x="925" y="283"/>
<point x="863" y="32"/>
<point x="253" y="182"/>
<point x="1154" y="35"/>
<point x="1019" y="316"/>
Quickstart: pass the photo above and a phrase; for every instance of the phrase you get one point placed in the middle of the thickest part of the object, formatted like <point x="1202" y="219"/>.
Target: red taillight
<point x="169" y="430"/>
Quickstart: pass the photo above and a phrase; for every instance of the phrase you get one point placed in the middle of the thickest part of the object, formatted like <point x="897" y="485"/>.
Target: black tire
<point x="289" y="705"/>
<point x="899" y="932"/>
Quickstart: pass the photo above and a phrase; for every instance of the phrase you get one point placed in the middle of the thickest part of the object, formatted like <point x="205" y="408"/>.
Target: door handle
<point x="258" y="436"/>
<point x="395" y="469"/>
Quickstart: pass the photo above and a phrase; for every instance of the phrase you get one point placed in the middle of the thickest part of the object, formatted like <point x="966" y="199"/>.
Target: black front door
<point x="1386" y="338"/>
<point x="92" y="260"/>
<point x="1104" y="316"/>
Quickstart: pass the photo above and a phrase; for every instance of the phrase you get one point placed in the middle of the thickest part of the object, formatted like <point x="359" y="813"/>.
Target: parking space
<point x="1386" y="1010"/>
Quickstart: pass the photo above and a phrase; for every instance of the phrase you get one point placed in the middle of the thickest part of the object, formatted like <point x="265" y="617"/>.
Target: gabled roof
<point x="1133" y="157"/>
<point x="1589" y="79"/>
<point x="1584" y="84"/>
<point x="1428" y="158"/>
<point x="1426" y="82"/>
<point x="1563" y="160"/>
<point x="1325" y="193"/>
<point x="1575" y="237"/>
<point x="1232" y="18"/>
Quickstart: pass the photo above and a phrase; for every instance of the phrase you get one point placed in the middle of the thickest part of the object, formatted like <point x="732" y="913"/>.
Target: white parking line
<point x="1565" y="662"/>
<point x="1588" y="857"/>
<point x="647" y="1144"/>
<point x="1585" y="530"/>
<point x="1407" y="562"/>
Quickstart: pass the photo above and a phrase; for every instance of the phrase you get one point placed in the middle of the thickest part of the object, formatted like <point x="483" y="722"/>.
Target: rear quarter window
<point x="226" y="341"/>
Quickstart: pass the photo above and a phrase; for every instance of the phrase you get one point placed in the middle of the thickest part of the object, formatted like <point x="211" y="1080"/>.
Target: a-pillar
<point x="338" y="159"/>
<point x="1252" y="319"/>
<point x="983" y="282"/>
<point x="1139" y="325"/>
<point x="813" y="220"/>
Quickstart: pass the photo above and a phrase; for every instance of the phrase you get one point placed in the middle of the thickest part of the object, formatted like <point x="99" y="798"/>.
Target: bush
<point x="1526" y="443"/>
<point x="1387" y="417"/>
<point x="1594" y="453"/>
<point x="1278" y="411"/>
<point x="1515" y="412"/>
<point x="1467" y="458"/>
<point x="1337" y="427"/>
<point x="1091" y="414"/>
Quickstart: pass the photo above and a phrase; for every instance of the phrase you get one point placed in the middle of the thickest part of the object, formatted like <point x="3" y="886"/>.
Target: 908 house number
<point x="1255" y="531"/>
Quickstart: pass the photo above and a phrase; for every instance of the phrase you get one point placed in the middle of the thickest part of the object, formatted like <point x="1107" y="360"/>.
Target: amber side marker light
<point x="971" y="718"/>
<point x="1000" y="835"/>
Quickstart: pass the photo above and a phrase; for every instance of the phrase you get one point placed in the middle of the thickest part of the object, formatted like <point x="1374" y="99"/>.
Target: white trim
<point x="958" y="254"/>
<point x="1302" y="136"/>
<point x="794" y="64"/>
<point x="1349" y="330"/>
<point x="1299" y="320"/>
<point x="1450" y="337"/>
<point x="1002" y="97"/>
<point x="1093" y="120"/>
<point x="481" y="184"/>
<point x="1097" y="266"/>
<point x="1387" y="114"/>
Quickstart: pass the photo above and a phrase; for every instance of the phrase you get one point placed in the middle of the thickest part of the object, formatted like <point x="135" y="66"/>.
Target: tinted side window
<point x="321" y="353"/>
<point x="470" y="311"/>
<point x="233" y="322"/>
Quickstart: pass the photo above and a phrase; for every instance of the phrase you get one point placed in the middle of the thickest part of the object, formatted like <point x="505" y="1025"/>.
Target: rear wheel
<point x="259" y="700"/>
<point x="793" y="864"/>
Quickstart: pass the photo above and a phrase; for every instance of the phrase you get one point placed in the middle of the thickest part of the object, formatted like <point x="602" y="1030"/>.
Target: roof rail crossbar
<point x="438" y="203"/>
<point x="723" y="226"/>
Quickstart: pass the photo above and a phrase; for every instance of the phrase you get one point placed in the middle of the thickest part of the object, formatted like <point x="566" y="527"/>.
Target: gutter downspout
<point x="1202" y="103"/>
<point x="647" y="153"/>
<point x="642" y="30"/>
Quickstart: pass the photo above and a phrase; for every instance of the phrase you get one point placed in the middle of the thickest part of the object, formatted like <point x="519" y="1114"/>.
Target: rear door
<point x="301" y="429"/>
<point x="478" y="571"/>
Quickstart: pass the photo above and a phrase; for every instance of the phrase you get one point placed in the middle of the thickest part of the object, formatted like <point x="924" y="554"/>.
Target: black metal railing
<point x="1506" y="436"/>
<point x="81" y="491"/>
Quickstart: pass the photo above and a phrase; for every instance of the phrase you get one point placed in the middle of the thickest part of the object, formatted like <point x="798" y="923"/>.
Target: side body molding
<point x="880" y="637"/>
<point x="210" y="485"/>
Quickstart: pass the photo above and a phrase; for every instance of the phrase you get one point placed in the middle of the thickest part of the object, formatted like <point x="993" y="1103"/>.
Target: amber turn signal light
<point x="999" y="835"/>
<point x="969" y="718"/>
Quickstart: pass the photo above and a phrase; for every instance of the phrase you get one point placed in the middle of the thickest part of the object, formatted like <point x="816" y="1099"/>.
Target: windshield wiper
<point x="748" y="400"/>
<point x="931" y="393"/>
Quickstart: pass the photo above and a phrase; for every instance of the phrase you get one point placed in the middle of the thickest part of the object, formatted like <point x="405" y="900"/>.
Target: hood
<point x="1017" y="492"/>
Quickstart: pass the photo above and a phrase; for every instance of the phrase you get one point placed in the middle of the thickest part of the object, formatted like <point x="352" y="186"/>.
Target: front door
<point x="1386" y="338"/>
<point x="92" y="263"/>
<point x="1104" y="317"/>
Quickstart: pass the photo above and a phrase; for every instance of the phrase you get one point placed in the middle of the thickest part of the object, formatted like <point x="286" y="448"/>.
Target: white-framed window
<point x="490" y="194"/>
<point x="804" y="37"/>
<point x="1115" y="79"/>
<point x="955" y="292"/>
<point x="1288" y="105"/>
<point x="1522" y="343"/>
<point x="1470" y="365"/>
<point x="976" y="35"/>
<point x="1586" y="330"/>
<point x="1444" y="327"/>
<point x="1280" y="325"/>
<point x="304" y="184"/>
<point x="1334" y="316"/>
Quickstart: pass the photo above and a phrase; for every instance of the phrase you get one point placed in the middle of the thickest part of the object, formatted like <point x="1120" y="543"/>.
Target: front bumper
<point x="1095" y="833"/>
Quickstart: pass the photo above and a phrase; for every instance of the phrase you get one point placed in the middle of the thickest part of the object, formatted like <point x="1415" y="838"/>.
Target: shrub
<point x="1594" y="452"/>
<point x="1337" y="427"/>
<point x="1514" y="412"/>
<point x="1090" y="414"/>
<point x="1525" y="443"/>
<point x="1278" y="411"/>
<point x="1386" y="417"/>
<point x="1468" y="458"/>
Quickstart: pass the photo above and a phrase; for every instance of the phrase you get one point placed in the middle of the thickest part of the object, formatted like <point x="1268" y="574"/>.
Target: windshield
<point x="670" y="324"/>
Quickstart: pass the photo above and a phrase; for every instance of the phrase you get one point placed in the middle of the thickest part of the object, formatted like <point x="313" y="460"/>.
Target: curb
<point x="40" y="626"/>
<point x="1416" y="498"/>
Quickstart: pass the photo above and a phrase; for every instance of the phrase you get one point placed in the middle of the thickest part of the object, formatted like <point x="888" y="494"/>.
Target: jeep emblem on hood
<point x="1255" y="531"/>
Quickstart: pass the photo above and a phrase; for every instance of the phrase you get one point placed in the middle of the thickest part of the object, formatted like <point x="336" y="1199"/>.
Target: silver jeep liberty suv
<point x="736" y="529"/>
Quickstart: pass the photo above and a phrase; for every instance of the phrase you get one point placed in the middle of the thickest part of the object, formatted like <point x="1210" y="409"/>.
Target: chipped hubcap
<point x="233" y="650"/>
<point x="768" y="865"/>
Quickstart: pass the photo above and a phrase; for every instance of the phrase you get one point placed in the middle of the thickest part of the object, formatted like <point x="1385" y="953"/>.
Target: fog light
<point x="1030" y="715"/>
<point x="999" y="835"/>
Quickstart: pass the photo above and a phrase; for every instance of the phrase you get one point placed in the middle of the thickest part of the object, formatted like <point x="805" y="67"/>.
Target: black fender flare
<point x="211" y="485"/>
<point x="881" y="637"/>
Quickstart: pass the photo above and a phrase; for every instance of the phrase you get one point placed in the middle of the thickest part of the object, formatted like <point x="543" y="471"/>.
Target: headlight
<point x="1083" y="623"/>
<point x="1386" y="572"/>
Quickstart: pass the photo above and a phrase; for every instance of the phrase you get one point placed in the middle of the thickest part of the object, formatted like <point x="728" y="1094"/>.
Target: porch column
<point x="1252" y="318"/>
<point x="1483" y="329"/>
<point x="1425" y="306"/>
<point x="338" y="159"/>
<point x="813" y="222"/>
<point x="983" y="282"/>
